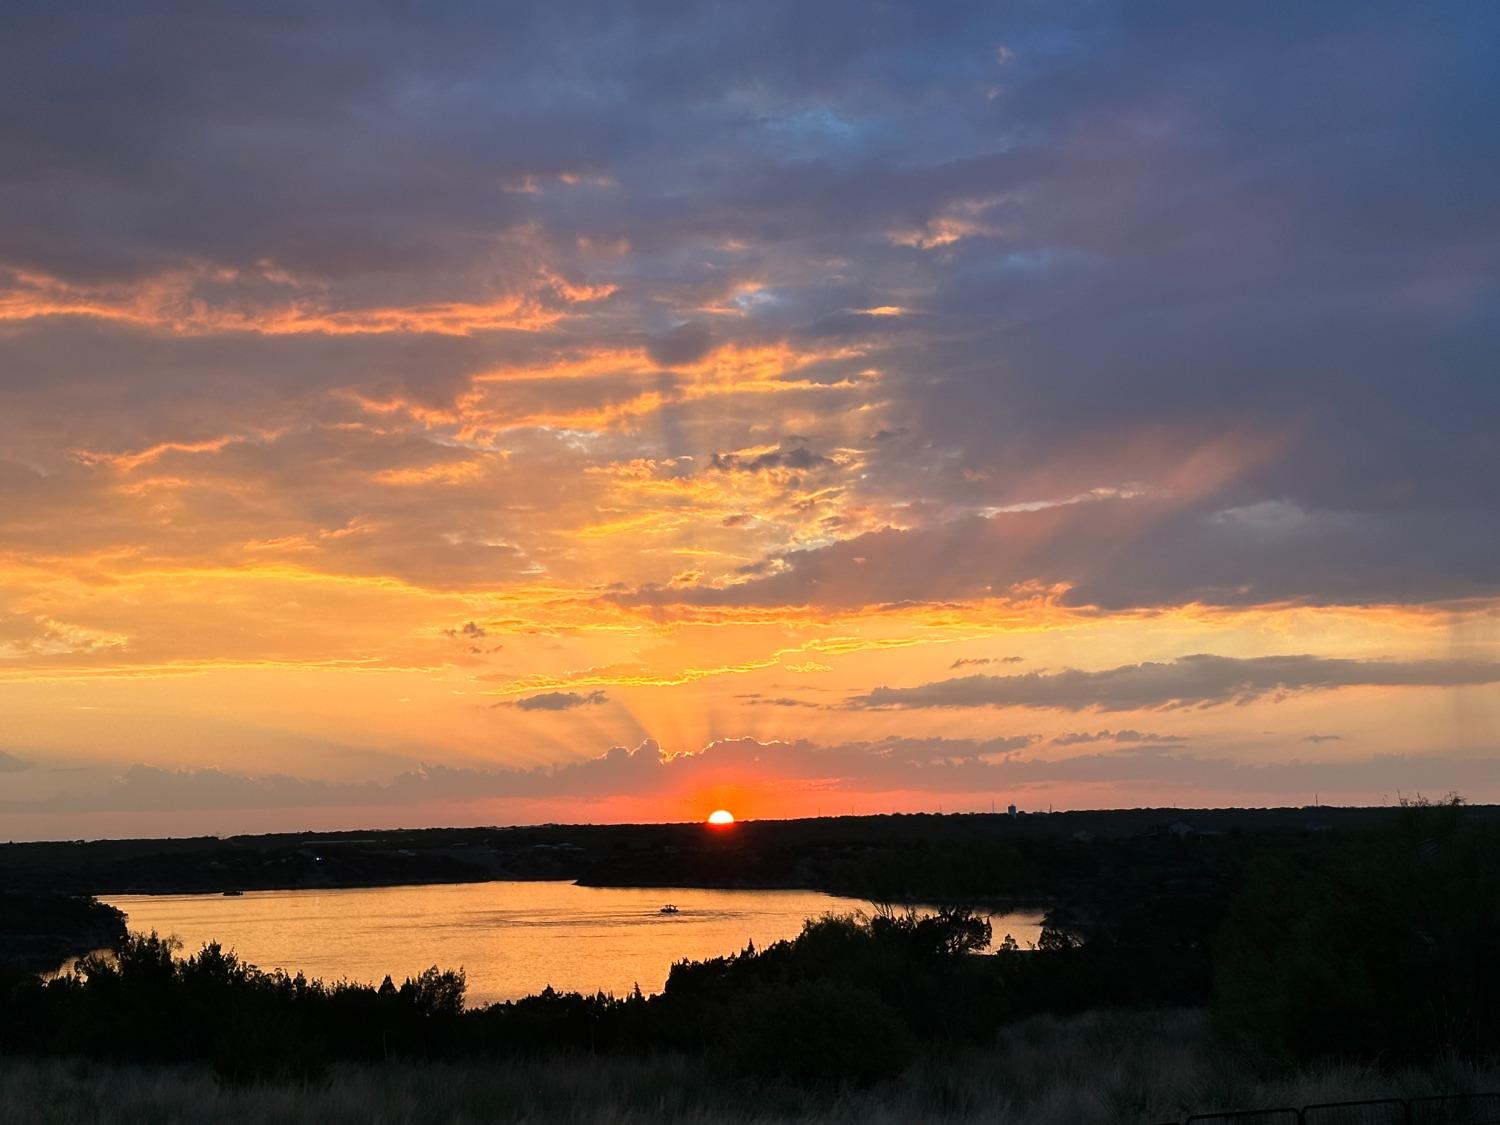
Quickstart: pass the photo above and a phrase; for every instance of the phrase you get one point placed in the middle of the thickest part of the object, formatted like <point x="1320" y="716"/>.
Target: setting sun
<point x="721" y="817"/>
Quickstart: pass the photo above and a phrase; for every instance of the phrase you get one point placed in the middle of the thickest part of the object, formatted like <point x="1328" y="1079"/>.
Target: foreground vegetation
<point x="1115" y="1067"/>
<point x="849" y="1000"/>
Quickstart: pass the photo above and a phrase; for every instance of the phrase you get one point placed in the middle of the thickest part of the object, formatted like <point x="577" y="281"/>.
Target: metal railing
<point x="1450" y="1109"/>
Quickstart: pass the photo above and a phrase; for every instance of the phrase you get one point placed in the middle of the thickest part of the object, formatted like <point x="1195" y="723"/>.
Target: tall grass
<point x="1098" y="1068"/>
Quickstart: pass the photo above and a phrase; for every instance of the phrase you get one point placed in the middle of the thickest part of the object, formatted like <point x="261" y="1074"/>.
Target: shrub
<point x="1384" y="949"/>
<point x="817" y="1033"/>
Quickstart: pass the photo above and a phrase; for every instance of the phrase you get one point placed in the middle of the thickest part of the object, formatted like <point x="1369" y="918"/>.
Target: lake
<point x="510" y="938"/>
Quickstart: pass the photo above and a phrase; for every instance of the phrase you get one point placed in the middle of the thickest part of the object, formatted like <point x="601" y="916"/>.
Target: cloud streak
<point x="1082" y="738"/>
<point x="1199" y="680"/>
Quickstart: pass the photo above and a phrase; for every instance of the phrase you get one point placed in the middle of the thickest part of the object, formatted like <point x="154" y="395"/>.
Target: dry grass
<point x="1104" y="1067"/>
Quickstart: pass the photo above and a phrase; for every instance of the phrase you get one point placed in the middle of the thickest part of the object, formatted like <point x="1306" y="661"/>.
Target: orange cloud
<point x="127" y="462"/>
<point x="176" y="303"/>
<point x="447" y="472"/>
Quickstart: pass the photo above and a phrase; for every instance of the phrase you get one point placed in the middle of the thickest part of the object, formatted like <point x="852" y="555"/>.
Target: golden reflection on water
<point x="511" y="939"/>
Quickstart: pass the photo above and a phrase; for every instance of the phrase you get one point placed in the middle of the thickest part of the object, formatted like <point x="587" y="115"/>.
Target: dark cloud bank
<point x="1131" y="553"/>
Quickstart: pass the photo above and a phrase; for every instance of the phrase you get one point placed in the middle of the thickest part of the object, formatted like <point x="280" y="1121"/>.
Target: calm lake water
<point x="511" y="939"/>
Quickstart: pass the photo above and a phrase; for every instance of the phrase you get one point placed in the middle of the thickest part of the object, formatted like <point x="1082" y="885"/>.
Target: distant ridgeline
<point x="1373" y="940"/>
<point x="958" y="858"/>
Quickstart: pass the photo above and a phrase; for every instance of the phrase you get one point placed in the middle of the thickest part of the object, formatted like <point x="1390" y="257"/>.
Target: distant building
<point x="1011" y="809"/>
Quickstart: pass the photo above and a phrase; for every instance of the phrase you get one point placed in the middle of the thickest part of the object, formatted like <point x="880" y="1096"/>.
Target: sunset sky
<point x="446" y="414"/>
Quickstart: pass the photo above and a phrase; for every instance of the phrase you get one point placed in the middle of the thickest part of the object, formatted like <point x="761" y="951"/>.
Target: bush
<point x="845" y="1002"/>
<point x="818" y="1033"/>
<point x="921" y="967"/>
<point x="1383" y="950"/>
<point x="261" y="1042"/>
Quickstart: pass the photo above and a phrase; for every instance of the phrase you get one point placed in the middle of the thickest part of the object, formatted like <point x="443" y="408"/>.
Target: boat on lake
<point x="669" y="909"/>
